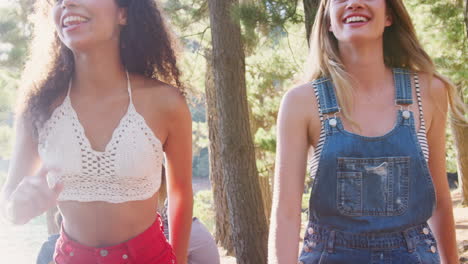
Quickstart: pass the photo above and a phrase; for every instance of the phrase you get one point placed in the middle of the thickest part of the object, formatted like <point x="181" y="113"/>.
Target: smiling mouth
<point x="355" y="19"/>
<point x="73" y="20"/>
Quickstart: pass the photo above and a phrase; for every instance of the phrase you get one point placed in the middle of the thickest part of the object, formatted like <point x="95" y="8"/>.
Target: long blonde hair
<point x="401" y="49"/>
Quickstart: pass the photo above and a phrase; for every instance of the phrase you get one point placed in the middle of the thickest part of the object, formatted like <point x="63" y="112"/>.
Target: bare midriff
<point x="102" y="224"/>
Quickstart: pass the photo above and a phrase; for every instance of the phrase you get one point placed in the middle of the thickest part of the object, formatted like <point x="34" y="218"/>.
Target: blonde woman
<point x="374" y="112"/>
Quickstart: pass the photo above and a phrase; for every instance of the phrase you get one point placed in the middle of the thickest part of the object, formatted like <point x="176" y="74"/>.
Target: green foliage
<point x="184" y="14"/>
<point x="265" y="139"/>
<point x="272" y="68"/>
<point x="6" y="141"/>
<point x="266" y="18"/>
<point x="442" y="31"/>
<point x="13" y="45"/>
<point x="451" y="155"/>
<point x="268" y="14"/>
<point x="14" y="42"/>
<point x="200" y="140"/>
<point x="198" y="109"/>
<point x="190" y="18"/>
<point x="305" y="201"/>
<point x="199" y="136"/>
<point x="305" y="206"/>
<point x="200" y="166"/>
<point x="3" y="176"/>
<point x="273" y="36"/>
<point x="203" y="209"/>
<point x="8" y="84"/>
<point x="15" y="31"/>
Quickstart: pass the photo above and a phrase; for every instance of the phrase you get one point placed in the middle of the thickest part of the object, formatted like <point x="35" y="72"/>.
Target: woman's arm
<point x="441" y="222"/>
<point x="290" y="170"/>
<point x="178" y="149"/>
<point x="26" y="193"/>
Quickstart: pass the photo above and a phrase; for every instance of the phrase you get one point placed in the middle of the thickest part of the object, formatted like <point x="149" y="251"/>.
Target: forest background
<point x="269" y="37"/>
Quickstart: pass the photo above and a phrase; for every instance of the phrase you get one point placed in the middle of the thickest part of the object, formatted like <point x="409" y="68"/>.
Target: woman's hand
<point x="32" y="197"/>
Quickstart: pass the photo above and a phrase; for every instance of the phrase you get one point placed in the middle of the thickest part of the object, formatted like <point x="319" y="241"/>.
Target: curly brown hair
<point x="146" y="48"/>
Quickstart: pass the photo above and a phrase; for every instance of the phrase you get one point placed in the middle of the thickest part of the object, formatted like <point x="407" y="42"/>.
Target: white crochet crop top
<point x="128" y="169"/>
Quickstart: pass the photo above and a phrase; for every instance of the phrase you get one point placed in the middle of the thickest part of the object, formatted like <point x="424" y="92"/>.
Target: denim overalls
<point x="371" y="196"/>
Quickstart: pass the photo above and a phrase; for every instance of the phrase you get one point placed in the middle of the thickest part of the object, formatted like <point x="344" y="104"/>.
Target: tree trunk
<point x="223" y="228"/>
<point x="466" y="17"/>
<point x="460" y="136"/>
<point x="310" y="10"/>
<point x="267" y="196"/>
<point x="237" y="154"/>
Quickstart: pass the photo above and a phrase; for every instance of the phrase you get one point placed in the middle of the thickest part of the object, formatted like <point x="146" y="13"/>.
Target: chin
<point x="359" y="38"/>
<point x="76" y="44"/>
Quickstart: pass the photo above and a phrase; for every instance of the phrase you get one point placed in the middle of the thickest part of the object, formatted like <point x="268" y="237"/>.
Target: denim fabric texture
<point x="46" y="252"/>
<point x="371" y="196"/>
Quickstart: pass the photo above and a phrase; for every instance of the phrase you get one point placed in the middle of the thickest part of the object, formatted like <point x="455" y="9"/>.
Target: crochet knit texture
<point x="128" y="169"/>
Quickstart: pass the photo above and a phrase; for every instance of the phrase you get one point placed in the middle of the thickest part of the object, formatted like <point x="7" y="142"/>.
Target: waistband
<point x="147" y="236"/>
<point x="379" y="240"/>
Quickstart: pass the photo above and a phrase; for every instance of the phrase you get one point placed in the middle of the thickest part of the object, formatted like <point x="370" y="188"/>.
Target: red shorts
<point x="150" y="247"/>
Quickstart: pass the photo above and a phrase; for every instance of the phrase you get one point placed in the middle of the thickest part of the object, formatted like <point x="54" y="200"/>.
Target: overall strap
<point x="326" y="96"/>
<point x="326" y="103"/>
<point x="403" y="94"/>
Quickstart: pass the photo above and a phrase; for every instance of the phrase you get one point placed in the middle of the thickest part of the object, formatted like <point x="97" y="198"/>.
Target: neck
<point x="99" y="72"/>
<point x="365" y="63"/>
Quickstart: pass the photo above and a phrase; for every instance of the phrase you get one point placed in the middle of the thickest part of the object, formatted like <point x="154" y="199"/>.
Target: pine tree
<point x="237" y="153"/>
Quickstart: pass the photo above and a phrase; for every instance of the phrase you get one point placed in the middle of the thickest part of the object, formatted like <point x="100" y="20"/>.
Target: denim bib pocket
<point x="372" y="186"/>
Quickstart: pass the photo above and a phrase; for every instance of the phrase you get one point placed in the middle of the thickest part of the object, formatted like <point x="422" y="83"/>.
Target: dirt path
<point x="461" y="225"/>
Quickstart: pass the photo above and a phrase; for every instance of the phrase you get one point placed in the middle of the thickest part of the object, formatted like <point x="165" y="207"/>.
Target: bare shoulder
<point x="157" y="95"/>
<point x="435" y="99"/>
<point x="162" y="105"/>
<point x="433" y="92"/>
<point x="300" y="99"/>
<point x="299" y="105"/>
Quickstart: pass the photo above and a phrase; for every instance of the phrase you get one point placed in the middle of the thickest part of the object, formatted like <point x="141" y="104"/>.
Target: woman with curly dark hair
<point x="99" y="112"/>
